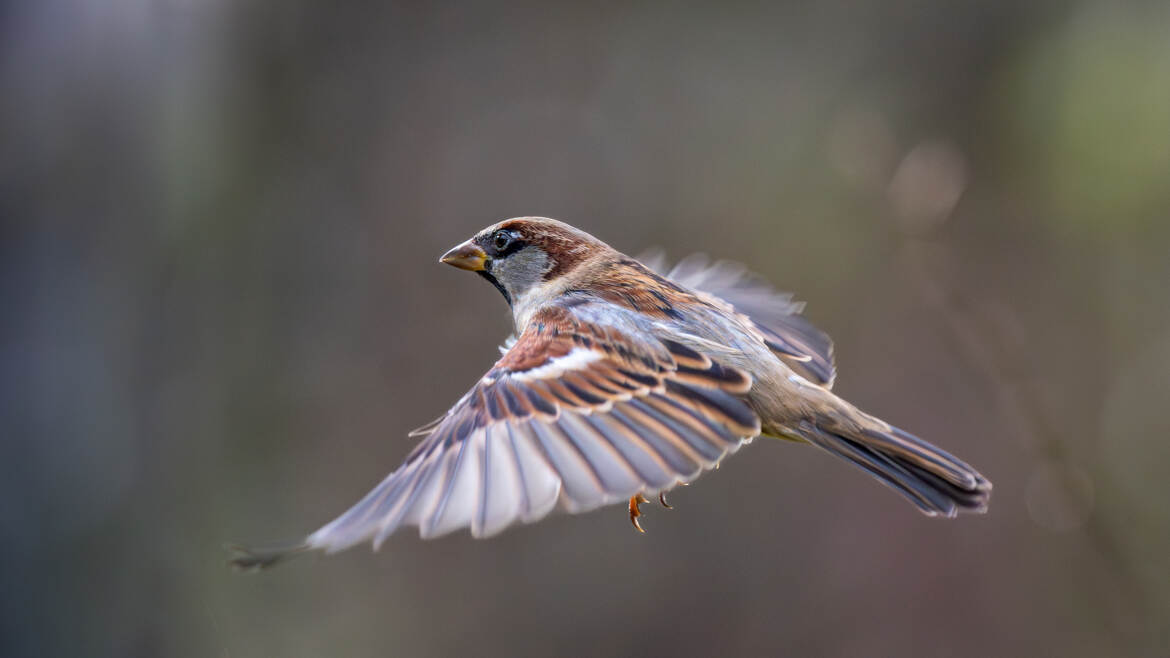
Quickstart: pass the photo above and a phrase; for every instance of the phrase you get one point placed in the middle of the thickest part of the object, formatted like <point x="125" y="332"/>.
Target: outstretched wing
<point x="574" y="414"/>
<point x="806" y="349"/>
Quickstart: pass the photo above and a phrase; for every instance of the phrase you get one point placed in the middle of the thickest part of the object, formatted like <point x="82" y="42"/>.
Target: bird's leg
<point x="635" y="512"/>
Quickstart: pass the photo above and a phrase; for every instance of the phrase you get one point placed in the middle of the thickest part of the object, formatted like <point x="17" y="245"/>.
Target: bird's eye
<point x="501" y="240"/>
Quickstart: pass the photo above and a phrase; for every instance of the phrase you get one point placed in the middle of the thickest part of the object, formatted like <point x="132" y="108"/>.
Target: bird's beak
<point x="466" y="256"/>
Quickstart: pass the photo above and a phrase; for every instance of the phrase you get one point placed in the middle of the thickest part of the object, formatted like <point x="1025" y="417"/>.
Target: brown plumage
<point x="624" y="382"/>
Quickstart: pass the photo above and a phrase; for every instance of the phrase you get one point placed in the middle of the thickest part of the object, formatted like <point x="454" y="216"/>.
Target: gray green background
<point x="222" y="312"/>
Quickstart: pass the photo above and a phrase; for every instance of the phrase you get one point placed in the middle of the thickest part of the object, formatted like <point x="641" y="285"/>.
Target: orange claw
<point x="635" y="512"/>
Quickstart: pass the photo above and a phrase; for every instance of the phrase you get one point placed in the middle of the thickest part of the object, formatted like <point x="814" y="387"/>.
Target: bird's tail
<point x="938" y="483"/>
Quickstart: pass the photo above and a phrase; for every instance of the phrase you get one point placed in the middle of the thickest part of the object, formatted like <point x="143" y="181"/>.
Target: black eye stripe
<point x="513" y="247"/>
<point x="510" y="241"/>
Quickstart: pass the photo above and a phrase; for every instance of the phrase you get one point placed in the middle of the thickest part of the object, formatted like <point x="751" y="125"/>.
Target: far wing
<point x="806" y="349"/>
<point x="575" y="414"/>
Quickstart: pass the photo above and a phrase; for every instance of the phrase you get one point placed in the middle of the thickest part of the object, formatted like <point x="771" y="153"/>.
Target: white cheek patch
<point x="574" y="360"/>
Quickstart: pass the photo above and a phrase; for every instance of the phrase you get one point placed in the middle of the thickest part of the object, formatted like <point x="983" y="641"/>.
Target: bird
<point x="622" y="380"/>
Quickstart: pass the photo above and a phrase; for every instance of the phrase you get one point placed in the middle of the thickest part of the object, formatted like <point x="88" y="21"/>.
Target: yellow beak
<point x="466" y="256"/>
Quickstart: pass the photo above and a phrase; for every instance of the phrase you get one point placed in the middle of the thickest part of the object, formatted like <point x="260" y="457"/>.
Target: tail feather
<point x="938" y="483"/>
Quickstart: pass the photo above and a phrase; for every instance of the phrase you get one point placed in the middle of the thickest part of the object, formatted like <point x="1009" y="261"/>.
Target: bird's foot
<point x="636" y="511"/>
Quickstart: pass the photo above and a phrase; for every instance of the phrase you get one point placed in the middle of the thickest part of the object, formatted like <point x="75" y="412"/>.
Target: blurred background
<point x="222" y="312"/>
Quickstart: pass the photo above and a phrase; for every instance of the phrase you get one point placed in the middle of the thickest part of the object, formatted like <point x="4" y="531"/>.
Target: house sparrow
<point x="620" y="383"/>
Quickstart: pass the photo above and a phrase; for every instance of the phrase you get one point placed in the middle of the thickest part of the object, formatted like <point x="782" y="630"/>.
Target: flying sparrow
<point x="623" y="382"/>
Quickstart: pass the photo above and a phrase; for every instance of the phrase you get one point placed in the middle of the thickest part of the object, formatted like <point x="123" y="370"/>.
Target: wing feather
<point x="614" y="473"/>
<point x="646" y="463"/>
<point x="503" y="495"/>
<point x="669" y="447"/>
<point x="542" y="486"/>
<point x="574" y="414"/>
<point x="805" y="348"/>
<point x="582" y="486"/>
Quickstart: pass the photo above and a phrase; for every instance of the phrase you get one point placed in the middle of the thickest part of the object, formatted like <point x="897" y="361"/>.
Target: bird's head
<point x="528" y="259"/>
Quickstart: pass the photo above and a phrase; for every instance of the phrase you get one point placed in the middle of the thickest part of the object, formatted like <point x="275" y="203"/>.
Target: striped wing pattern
<point x="575" y="415"/>
<point x="803" y="347"/>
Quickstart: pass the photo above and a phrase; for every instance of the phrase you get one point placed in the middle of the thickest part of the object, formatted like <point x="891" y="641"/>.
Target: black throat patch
<point x="492" y="280"/>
